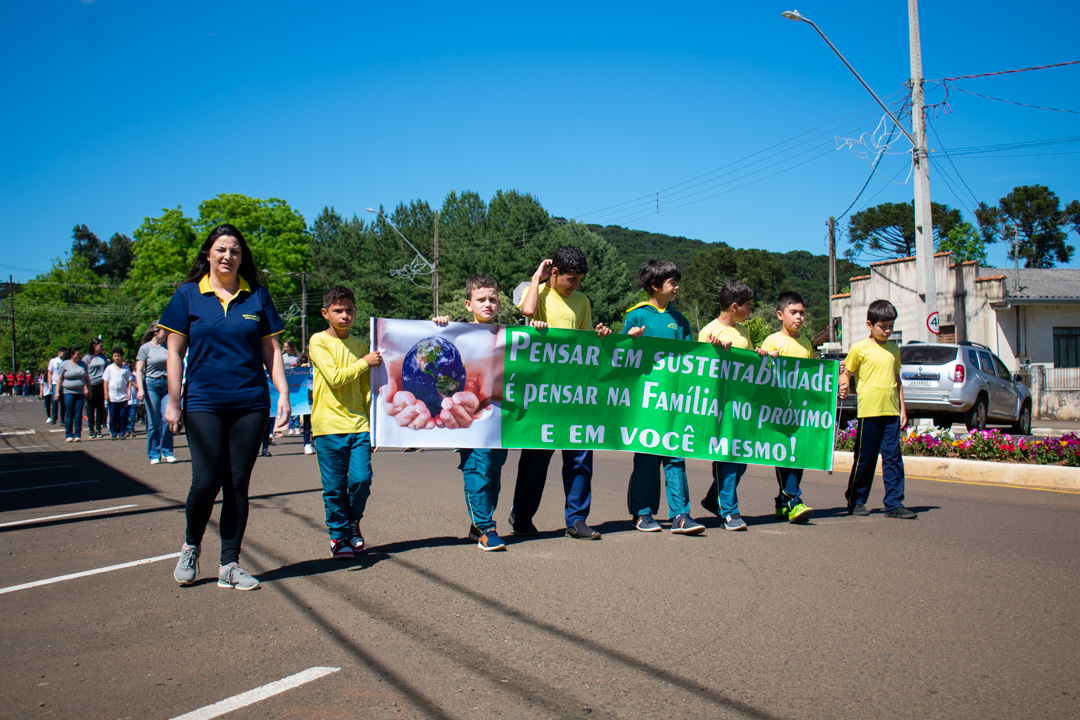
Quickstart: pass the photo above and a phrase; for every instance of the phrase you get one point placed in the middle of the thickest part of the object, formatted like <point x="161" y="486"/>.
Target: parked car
<point x="846" y="408"/>
<point x="963" y="382"/>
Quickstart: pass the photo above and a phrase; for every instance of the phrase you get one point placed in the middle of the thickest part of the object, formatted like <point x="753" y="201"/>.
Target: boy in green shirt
<point x="341" y="396"/>
<point x="656" y="318"/>
<point x="875" y="364"/>
<point x="789" y="342"/>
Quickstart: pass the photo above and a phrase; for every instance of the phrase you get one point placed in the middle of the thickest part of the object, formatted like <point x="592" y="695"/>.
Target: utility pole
<point x="435" y="300"/>
<point x="925" y="281"/>
<point x="303" y="312"/>
<point x="832" y="275"/>
<point x="11" y="294"/>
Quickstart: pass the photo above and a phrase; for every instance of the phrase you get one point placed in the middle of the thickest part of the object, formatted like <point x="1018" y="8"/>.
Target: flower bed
<point x="992" y="445"/>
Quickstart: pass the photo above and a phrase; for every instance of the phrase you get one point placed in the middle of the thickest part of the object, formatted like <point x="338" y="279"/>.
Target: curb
<point x="1055" y="477"/>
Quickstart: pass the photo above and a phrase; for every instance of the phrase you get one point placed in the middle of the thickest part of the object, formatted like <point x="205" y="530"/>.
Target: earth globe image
<point x="433" y="370"/>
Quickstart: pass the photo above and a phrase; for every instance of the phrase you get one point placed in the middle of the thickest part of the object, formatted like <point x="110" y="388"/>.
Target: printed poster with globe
<point x="489" y="386"/>
<point x="437" y="386"/>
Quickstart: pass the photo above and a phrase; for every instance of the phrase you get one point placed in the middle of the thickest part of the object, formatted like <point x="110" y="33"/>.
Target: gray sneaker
<point x="187" y="567"/>
<point x="236" y="577"/>
<point x="646" y="523"/>
<point x="733" y="522"/>
<point x="686" y="525"/>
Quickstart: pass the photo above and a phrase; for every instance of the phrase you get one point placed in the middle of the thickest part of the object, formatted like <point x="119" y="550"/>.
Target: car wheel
<point x="975" y="419"/>
<point x="1022" y="426"/>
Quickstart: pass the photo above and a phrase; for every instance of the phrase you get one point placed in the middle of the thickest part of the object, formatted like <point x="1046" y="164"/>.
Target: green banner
<point x="566" y="389"/>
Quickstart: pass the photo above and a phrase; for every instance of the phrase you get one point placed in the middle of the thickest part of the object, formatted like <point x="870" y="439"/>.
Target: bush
<point x="990" y="445"/>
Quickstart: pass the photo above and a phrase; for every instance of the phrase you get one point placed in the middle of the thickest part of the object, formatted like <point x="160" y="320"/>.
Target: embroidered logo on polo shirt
<point x="251" y="317"/>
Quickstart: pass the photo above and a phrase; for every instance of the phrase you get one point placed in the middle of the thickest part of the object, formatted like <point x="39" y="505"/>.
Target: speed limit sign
<point x="932" y="323"/>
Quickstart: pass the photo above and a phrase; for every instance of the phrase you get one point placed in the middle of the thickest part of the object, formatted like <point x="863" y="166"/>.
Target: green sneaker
<point x="781" y="513"/>
<point x="800" y="514"/>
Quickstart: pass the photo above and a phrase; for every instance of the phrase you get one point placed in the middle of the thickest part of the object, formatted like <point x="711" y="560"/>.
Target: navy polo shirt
<point x="225" y="363"/>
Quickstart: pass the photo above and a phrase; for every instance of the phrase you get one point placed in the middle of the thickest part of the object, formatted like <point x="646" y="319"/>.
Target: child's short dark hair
<point x="654" y="273"/>
<point x="734" y="292"/>
<point x="789" y="297"/>
<point x="117" y="350"/>
<point x="879" y="311"/>
<point x="337" y="294"/>
<point x="569" y="259"/>
<point x="477" y="282"/>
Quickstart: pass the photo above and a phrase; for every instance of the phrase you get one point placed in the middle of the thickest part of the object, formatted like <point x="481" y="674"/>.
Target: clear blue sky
<point x="117" y="109"/>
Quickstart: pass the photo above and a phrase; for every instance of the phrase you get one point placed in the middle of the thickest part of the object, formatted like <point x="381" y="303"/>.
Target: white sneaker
<point x="155" y="461"/>
<point x="308" y="450"/>
<point x="170" y="459"/>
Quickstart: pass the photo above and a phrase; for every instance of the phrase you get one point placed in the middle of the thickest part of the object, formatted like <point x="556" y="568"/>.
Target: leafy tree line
<point x="115" y="289"/>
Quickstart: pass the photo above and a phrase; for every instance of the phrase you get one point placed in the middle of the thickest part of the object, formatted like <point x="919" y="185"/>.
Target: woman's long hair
<point x="247" y="270"/>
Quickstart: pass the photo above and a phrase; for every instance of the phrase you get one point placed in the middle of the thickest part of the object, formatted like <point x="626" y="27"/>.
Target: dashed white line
<point x="22" y="447"/>
<point x="65" y="515"/>
<point x="260" y="693"/>
<point x="85" y="573"/>
<point x="42" y="487"/>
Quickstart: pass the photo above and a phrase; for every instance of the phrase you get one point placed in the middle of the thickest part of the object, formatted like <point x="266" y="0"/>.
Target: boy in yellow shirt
<point x="875" y="364"/>
<point x="789" y="342"/>
<point x="339" y="421"/>
<point x="728" y="331"/>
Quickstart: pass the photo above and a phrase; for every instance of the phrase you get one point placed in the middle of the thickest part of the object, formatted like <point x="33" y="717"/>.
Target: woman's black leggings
<point x="223" y="447"/>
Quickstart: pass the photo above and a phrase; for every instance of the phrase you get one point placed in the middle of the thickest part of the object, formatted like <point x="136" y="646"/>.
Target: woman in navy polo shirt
<point x="227" y="325"/>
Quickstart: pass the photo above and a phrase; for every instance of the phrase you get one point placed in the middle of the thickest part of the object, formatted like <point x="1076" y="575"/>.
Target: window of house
<point x="1066" y="347"/>
<point x="947" y="334"/>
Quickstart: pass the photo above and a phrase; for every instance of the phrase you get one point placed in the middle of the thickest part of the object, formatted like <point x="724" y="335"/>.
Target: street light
<point x="925" y="282"/>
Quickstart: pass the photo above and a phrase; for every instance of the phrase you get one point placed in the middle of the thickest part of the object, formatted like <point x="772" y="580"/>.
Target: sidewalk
<point x="1053" y="477"/>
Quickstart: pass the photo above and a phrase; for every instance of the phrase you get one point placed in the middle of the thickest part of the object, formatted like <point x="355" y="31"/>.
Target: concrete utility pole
<point x="925" y="281"/>
<point x="832" y="275"/>
<point x="435" y="300"/>
<point x="303" y="312"/>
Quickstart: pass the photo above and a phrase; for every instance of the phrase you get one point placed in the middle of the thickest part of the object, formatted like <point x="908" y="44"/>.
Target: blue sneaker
<point x="646" y="523"/>
<point x="733" y="522"/>
<point x="490" y="540"/>
<point x="686" y="525"/>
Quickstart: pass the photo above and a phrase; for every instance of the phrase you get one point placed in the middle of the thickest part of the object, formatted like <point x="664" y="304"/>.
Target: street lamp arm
<point x="419" y="254"/>
<point x="794" y="15"/>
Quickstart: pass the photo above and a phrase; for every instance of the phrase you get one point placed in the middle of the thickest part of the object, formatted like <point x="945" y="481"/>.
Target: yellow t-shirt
<point x="738" y="335"/>
<point x="799" y="347"/>
<point x="558" y="311"/>
<point x="342" y="385"/>
<point x="875" y="368"/>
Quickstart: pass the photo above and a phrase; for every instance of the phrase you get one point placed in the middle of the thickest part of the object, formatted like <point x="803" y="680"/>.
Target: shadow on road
<point x="42" y="479"/>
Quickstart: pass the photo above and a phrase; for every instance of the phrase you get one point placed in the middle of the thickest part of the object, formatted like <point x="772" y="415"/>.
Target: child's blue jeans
<point x="345" y="466"/>
<point x="643" y="495"/>
<point x="789" y="480"/>
<point x="482" y="471"/>
<point x="877" y="435"/>
<point x="726" y="477"/>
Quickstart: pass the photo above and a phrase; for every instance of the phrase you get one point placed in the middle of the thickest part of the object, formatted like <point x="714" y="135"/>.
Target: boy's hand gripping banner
<point x="492" y="386"/>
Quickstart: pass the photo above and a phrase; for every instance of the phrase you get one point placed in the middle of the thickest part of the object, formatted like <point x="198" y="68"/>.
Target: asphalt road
<point x="969" y="611"/>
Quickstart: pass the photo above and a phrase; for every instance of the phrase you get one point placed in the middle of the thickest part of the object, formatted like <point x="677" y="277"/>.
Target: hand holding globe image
<point x="433" y="370"/>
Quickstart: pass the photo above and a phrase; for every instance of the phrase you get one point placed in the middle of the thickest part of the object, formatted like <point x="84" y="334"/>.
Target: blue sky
<point x="722" y="118"/>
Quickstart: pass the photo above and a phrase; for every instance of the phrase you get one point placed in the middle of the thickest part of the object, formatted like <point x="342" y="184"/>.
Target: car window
<point x="1002" y="371"/>
<point x="973" y="359"/>
<point x="927" y="354"/>
<point x="986" y="364"/>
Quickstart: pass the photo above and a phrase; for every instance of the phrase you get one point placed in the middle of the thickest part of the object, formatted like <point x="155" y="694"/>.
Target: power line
<point x="1008" y="72"/>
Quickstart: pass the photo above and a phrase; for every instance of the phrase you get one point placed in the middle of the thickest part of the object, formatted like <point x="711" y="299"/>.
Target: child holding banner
<point x="553" y="299"/>
<point x="728" y="331"/>
<point x="656" y="318"/>
<point x="481" y="468"/>
<point x="791" y="311"/>
<point x="875" y="364"/>
<point x="339" y="421"/>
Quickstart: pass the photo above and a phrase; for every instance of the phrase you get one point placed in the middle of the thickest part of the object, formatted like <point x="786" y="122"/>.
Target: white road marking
<point x="9" y="433"/>
<point x="260" y="693"/>
<point x="57" y="430"/>
<point x="85" y="573"/>
<point x="47" y="467"/>
<point x="42" y="487"/>
<point x="22" y="447"/>
<point x="65" y="515"/>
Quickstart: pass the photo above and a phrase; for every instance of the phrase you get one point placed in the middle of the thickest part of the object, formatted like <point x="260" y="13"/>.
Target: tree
<point x="888" y="230"/>
<point x="965" y="244"/>
<point x="1035" y="213"/>
<point x="760" y="269"/>
<point x="107" y="260"/>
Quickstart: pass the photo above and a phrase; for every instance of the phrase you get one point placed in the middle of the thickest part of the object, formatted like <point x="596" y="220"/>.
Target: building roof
<point x="1036" y="286"/>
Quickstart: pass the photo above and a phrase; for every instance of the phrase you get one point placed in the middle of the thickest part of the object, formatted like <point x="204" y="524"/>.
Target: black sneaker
<point x="859" y="510"/>
<point x="580" y="531"/>
<point x="709" y="503"/>
<point x="901" y="513"/>
<point x="522" y="528"/>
